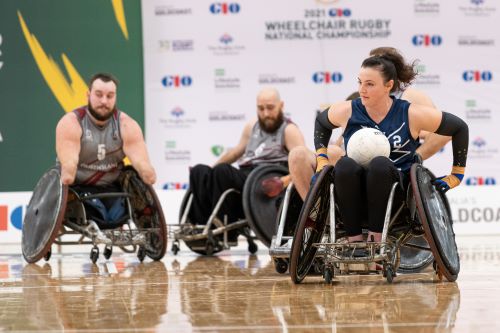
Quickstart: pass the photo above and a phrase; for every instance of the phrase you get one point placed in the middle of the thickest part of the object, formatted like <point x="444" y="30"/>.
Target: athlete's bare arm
<point x="135" y="149"/>
<point x="68" y="134"/>
<point x="235" y="153"/>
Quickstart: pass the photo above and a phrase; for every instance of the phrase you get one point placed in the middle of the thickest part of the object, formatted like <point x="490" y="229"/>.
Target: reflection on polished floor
<point x="237" y="292"/>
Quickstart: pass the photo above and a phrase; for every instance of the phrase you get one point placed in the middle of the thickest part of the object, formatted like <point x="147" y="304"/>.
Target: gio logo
<point x="339" y="12"/>
<point x="225" y="8"/>
<point x="177" y="112"/>
<point x="327" y="77"/>
<point x="474" y="75"/>
<point x="477" y="2"/>
<point x="16" y="217"/>
<point x="176" y="81"/>
<point x="427" y="40"/>
<point x="226" y="39"/>
<point x="480" y="181"/>
<point x="175" y="186"/>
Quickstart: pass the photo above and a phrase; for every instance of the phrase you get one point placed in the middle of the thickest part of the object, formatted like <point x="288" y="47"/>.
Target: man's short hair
<point x="105" y="77"/>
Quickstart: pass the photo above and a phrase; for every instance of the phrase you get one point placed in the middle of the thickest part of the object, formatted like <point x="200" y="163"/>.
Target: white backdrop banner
<point x="205" y="61"/>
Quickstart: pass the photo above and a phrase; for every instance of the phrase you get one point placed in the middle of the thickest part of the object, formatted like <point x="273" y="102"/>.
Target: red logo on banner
<point x="4" y="271"/>
<point x="3" y="218"/>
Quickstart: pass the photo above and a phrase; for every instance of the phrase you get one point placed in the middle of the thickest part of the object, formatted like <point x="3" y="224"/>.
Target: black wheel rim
<point x="435" y="215"/>
<point x="317" y="208"/>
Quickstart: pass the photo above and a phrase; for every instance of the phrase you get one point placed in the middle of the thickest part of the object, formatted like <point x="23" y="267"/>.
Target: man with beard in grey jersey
<point x="267" y="139"/>
<point x="92" y="141"/>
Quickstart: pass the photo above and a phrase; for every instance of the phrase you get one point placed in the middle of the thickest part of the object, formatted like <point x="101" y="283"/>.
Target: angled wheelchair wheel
<point x="414" y="260"/>
<point x="311" y="226"/>
<point x="261" y="210"/>
<point x="44" y="216"/>
<point x="201" y="246"/>
<point x="435" y="215"/>
<point x="148" y="213"/>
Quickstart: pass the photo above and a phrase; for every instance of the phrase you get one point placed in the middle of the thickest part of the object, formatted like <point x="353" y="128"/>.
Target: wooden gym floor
<point x="237" y="292"/>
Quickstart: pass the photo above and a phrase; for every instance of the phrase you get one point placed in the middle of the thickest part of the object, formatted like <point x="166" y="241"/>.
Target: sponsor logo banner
<point x="226" y="46"/>
<point x="221" y="115"/>
<point x="274" y="79"/>
<point x="426" y="7"/>
<point x="480" y="149"/>
<point x="224" y="82"/>
<point x="175" y="45"/>
<point x="425" y="77"/>
<point x="176" y="81"/>
<point x="473" y="112"/>
<point x="172" y="11"/>
<point x="177" y="118"/>
<point x="478" y="8"/>
<point x="475" y="41"/>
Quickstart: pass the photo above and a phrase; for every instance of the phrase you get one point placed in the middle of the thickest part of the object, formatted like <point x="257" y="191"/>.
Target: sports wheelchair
<point x="424" y="217"/>
<point x="414" y="253"/>
<point x="56" y="211"/>
<point x="211" y="236"/>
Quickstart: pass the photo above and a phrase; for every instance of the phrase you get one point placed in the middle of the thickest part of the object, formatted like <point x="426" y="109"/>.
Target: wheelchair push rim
<point x="435" y="215"/>
<point x="260" y="210"/>
<point x="316" y="206"/>
<point x="157" y="241"/>
<point x="44" y="216"/>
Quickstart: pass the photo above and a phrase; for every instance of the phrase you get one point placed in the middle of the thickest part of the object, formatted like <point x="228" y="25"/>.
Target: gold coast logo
<point x="69" y="93"/>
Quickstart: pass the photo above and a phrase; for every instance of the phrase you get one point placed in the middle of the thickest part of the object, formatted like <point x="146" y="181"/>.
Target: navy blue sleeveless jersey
<point x="395" y="127"/>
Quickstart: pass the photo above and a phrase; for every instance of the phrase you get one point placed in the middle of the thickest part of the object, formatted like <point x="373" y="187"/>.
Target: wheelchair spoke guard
<point x="44" y="216"/>
<point x="435" y="215"/>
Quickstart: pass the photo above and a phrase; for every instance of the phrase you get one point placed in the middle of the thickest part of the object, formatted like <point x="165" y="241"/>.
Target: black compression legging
<point x="362" y="194"/>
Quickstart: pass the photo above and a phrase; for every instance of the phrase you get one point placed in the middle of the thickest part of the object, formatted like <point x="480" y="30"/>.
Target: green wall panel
<point x="88" y="33"/>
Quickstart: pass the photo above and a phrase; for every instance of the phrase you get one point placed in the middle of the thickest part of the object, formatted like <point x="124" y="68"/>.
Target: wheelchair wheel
<point x="311" y="226"/>
<point x="260" y="210"/>
<point x="435" y="215"/>
<point x="44" y="216"/>
<point x="157" y="240"/>
<point x="148" y="213"/>
<point x="414" y="260"/>
<point x="200" y="246"/>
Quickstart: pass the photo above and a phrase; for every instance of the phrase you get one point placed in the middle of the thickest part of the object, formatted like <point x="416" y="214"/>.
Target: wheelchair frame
<point x="126" y="233"/>
<point x="189" y="233"/>
<point x="212" y="237"/>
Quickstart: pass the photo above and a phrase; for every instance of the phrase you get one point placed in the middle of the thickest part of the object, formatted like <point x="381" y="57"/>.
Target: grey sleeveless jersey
<point x="101" y="153"/>
<point x="265" y="147"/>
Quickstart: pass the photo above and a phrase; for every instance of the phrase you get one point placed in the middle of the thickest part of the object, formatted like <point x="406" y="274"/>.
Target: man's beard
<point x="98" y="116"/>
<point x="271" y="127"/>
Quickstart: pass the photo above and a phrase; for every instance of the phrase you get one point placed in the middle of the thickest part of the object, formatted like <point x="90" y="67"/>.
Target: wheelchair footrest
<point x="356" y="253"/>
<point x="115" y="237"/>
<point x="192" y="232"/>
